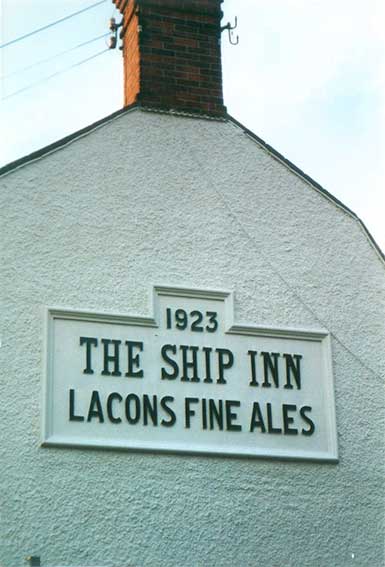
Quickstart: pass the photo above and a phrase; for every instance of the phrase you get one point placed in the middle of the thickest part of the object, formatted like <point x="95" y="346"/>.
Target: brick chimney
<point x="172" y="54"/>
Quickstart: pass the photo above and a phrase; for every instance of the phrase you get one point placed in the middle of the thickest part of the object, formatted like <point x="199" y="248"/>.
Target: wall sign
<point x="188" y="380"/>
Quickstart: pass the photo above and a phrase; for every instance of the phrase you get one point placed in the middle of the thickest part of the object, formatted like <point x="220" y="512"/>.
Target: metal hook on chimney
<point x="113" y="27"/>
<point x="230" y="29"/>
<point x="33" y="560"/>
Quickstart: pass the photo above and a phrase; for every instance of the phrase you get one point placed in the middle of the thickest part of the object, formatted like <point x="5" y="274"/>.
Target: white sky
<point x="308" y="76"/>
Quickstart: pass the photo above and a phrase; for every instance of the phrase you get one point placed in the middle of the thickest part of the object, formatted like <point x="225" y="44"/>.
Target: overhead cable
<point x="212" y="184"/>
<point x="17" y="39"/>
<point x="41" y="61"/>
<point x="55" y="74"/>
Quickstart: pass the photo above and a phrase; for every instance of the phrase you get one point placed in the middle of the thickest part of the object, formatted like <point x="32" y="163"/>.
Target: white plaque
<point x="188" y="379"/>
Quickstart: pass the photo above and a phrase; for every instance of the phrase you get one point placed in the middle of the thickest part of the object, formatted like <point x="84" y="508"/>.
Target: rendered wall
<point x="151" y="198"/>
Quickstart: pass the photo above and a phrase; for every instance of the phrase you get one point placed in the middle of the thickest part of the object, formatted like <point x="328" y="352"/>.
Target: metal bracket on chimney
<point x="113" y="26"/>
<point x="230" y="29"/>
<point x="33" y="560"/>
<point x="126" y="20"/>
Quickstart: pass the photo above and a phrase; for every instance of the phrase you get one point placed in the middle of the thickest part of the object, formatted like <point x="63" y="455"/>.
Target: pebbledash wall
<point x="148" y="198"/>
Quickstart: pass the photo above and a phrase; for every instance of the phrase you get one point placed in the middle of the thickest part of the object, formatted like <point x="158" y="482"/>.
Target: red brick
<point x="175" y="61"/>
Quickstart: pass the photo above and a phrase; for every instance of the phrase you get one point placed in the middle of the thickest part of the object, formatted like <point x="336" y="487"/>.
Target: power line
<point x="51" y="24"/>
<point x="55" y="74"/>
<point x="256" y="244"/>
<point x="41" y="61"/>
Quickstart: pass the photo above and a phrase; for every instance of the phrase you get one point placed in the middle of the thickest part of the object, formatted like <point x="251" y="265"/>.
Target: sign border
<point x="316" y="335"/>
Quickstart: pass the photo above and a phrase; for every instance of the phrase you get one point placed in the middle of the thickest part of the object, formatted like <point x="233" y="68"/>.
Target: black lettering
<point x="170" y="361"/>
<point x="270" y="427"/>
<point x="181" y="319"/>
<point x="134" y="361"/>
<point x="95" y="409"/>
<point x="212" y="315"/>
<point x="288" y="420"/>
<point x="224" y="364"/>
<point x="196" y="325"/>
<point x="207" y="351"/>
<point x="252" y="354"/>
<point x="168" y="318"/>
<point x="293" y="368"/>
<point x="303" y="411"/>
<point x="270" y="366"/>
<point x="88" y="341"/>
<point x="187" y="364"/>
<point x="257" y="419"/>
<point x="72" y="416"/>
<point x="111" y="358"/>
<point x="132" y="414"/>
<point x="204" y="413"/>
<point x="110" y="399"/>
<point x="232" y="416"/>
<point x="150" y="409"/>
<point x="170" y="412"/>
<point x="216" y="412"/>
<point x="189" y="412"/>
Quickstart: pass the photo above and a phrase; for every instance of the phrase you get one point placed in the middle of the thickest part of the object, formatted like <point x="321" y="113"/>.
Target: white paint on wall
<point x="188" y="380"/>
<point x="152" y="198"/>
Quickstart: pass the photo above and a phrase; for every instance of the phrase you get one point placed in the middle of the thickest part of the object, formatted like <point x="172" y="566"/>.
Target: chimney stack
<point x="172" y="54"/>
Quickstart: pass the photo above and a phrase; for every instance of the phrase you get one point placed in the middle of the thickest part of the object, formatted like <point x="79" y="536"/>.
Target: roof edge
<point x="64" y="141"/>
<point x="45" y="150"/>
<point x="309" y="180"/>
<point x="13" y="165"/>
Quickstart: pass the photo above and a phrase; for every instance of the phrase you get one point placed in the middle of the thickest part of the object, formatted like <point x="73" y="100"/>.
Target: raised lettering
<point x="303" y="411"/>
<point x="293" y="368"/>
<point x="169" y="375"/>
<point x="111" y="358"/>
<point x="189" y="412"/>
<point x="95" y="409"/>
<point x="189" y="364"/>
<point x="88" y="341"/>
<point x="225" y="361"/>
<point x="169" y="411"/>
<point x="231" y="416"/>
<point x="134" y="361"/>
<point x="288" y="420"/>
<point x="110" y="399"/>
<point x="270" y="368"/>
<point x="257" y="419"/>
<point x="72" y="416"/>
